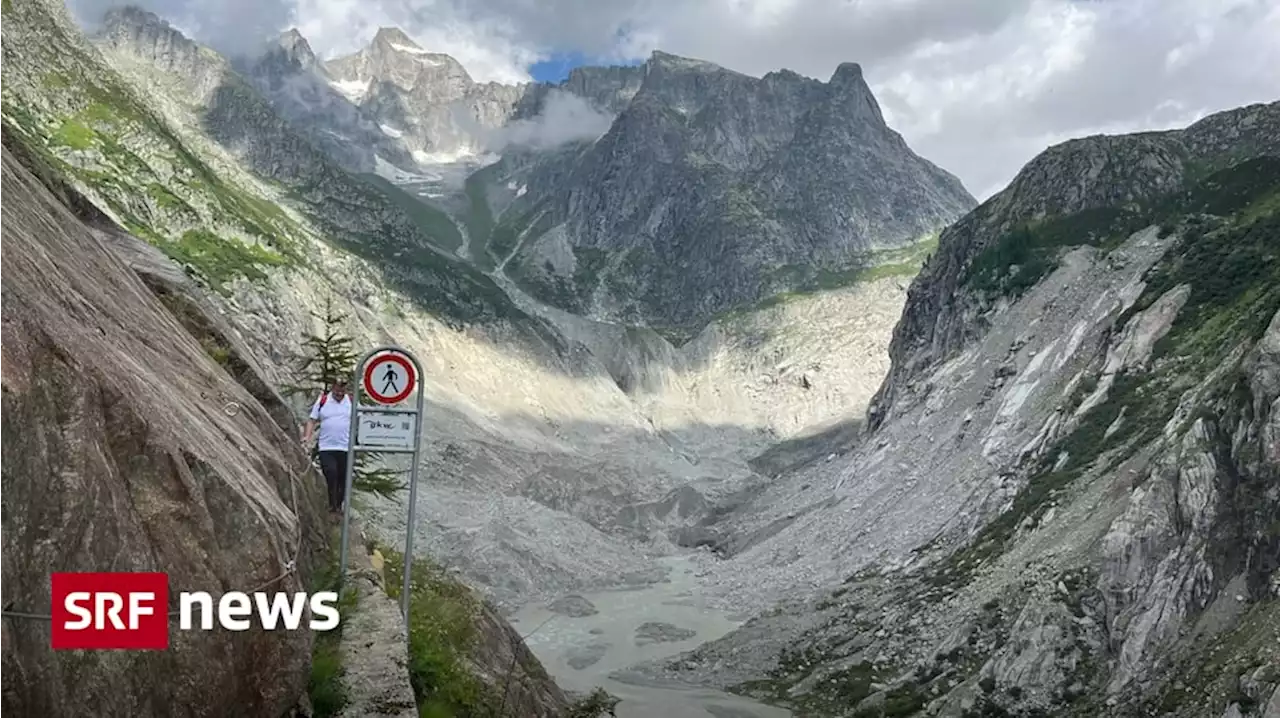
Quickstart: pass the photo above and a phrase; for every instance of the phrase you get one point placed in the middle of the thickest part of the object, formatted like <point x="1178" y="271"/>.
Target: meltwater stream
<point x="582" y="652"/>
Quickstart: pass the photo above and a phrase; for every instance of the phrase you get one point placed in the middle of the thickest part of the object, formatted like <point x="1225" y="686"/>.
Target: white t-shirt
<point x="335" y="422"/>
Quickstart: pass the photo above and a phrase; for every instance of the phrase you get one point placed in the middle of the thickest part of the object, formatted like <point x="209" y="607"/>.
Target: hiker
<point x="333" y="413"/>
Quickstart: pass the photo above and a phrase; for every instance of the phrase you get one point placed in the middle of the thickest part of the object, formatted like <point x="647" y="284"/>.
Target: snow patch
<point x="408" y="48"/>
<point x="463" y="154"/>
<point x="353" y="90"/>
<point x="418" y="54"/>
<point x="388" y="171"/>
<point x="390" y="131"/>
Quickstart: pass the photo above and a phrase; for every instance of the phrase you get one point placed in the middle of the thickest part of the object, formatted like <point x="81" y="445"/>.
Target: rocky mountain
<point x="296" y="82"/>
<point x="1066" y="500"/>
<point x="710" y="190"/>
<point x="426" y="97"/>
<point x="657" y="195"/>
<point x="130" y="447"/>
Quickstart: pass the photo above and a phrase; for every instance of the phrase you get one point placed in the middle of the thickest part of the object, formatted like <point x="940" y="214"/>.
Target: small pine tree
<point x="325" y="357"/>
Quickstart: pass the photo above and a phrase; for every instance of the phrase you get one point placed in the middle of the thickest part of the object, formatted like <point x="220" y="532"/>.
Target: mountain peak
<point x="667" y="60"/>
<point x="847" y="72"/>
<point x="848" y="84"/>
<point x="295" y="49"/>
<point x="395" y="38"/>
<point x="132" y="16"/>
<point x="292" y="37"/>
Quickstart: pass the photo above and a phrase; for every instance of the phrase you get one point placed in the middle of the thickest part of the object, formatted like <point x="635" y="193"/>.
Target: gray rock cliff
<point x="129" y="448"/>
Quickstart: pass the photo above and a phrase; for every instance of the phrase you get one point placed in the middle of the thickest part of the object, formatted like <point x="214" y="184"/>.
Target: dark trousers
<point x="334" y="466"/>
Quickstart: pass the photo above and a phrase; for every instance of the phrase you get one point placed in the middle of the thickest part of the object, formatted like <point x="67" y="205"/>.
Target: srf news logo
<point x="97" y="611"/>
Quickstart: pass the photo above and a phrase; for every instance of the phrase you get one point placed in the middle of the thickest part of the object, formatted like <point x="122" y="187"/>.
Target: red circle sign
<point x="389" y="378"/>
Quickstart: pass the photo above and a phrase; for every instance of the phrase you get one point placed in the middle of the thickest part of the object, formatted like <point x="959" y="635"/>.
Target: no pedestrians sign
<point x="389" y="379"/>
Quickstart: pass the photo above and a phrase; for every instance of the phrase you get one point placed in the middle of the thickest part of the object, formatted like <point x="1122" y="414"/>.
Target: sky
<point x="979" y="87"/>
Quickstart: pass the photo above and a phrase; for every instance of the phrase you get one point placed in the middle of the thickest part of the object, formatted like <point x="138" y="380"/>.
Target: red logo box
<point x="102" y="611"/>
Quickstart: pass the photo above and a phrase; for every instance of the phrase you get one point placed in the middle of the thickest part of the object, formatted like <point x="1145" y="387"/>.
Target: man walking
<point x="332" y="411"/>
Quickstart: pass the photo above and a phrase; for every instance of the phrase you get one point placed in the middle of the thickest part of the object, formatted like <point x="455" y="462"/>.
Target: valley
<point x="790" y="422"/>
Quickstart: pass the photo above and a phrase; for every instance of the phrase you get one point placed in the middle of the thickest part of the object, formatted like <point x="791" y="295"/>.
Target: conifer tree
<point x="326" y="356"/>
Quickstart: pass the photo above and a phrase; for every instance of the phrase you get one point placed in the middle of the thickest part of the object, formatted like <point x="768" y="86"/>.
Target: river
<point x="583" y="652"/>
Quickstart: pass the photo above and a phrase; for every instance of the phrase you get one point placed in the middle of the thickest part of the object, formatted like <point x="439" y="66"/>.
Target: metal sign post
<point x="388" y="375"/>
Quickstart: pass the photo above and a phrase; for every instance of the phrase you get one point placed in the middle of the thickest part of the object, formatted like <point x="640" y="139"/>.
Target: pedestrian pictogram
<point x="389" y="379"/>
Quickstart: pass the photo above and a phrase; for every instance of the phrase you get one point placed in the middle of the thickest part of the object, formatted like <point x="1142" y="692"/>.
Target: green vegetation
<point x="479" y="219"/>
<point x="902" y="262"/>
<point x="596" y="703"/>
<point x="73" y="134"/>
<point x="182" y="189"/>
<point x="589" y="266"/>
<point x="167" y="200"/>
<point x="1208" y="686"/>
<point x="442" y="615"/>
<point x="325" y="357"/>
<point x="433" y="222"/>
<point x="1232" y="265"/>
<point x="533" y="222"/>
<point x="1017" y="260"/>
<point x="220" y="259"/>
<point x="325" y="687"/>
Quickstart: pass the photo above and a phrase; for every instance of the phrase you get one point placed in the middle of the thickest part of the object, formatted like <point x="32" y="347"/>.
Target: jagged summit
<point x="135" y="23"/>
<point x="395" y="38"/>
<point x="668" y="61"/>
<point x="290" y="53"/>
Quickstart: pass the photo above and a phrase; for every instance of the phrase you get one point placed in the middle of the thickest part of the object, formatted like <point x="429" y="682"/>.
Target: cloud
<point x="977" y="86"/>
<point x="564" y="118"/>
<point x="234" y="27"/>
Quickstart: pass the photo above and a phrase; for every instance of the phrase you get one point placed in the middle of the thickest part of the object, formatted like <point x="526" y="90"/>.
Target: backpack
<point x="323" y="398"/>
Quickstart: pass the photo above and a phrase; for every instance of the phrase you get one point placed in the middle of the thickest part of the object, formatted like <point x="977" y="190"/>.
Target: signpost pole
<point x="357" y="386"/>
<point x="351" y="461"/>
<point x="413" y="496"/>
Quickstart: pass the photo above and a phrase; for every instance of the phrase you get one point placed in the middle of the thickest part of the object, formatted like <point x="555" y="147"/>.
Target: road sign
<point x="388" y="375"/>
<point x="389" y="379"/>
<point x="381" y="429"/>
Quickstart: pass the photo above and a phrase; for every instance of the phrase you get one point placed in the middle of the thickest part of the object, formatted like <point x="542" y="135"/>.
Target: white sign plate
<point x="386" y="430"/>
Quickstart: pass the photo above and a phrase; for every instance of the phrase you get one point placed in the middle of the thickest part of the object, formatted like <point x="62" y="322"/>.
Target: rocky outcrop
<point x="296" y="83"/>
<point x="712" y="189"/>
<point x="129" y="447"/>
<point x="1067" y="503"/>
<point x="1092" y="179"/>
<point x="427" y="98"/>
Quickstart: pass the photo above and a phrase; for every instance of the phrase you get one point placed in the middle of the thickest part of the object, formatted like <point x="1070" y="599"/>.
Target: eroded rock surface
<point x="128" y="448"/>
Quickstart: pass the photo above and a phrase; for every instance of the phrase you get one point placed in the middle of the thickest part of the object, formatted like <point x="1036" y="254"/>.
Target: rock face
<point x="298" y="85"/>
<point x="427" y="97"/>
<point x="1058" y="506"/>
<point x="712" y="189"/>
<point x="129" y="448"/>
<point x="1091" y="175"/>
<point x="657" y="195"/>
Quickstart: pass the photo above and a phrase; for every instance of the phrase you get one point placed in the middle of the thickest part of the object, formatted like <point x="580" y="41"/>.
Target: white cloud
<point x="564" y="118"/>
<point x="977" y="86"/>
